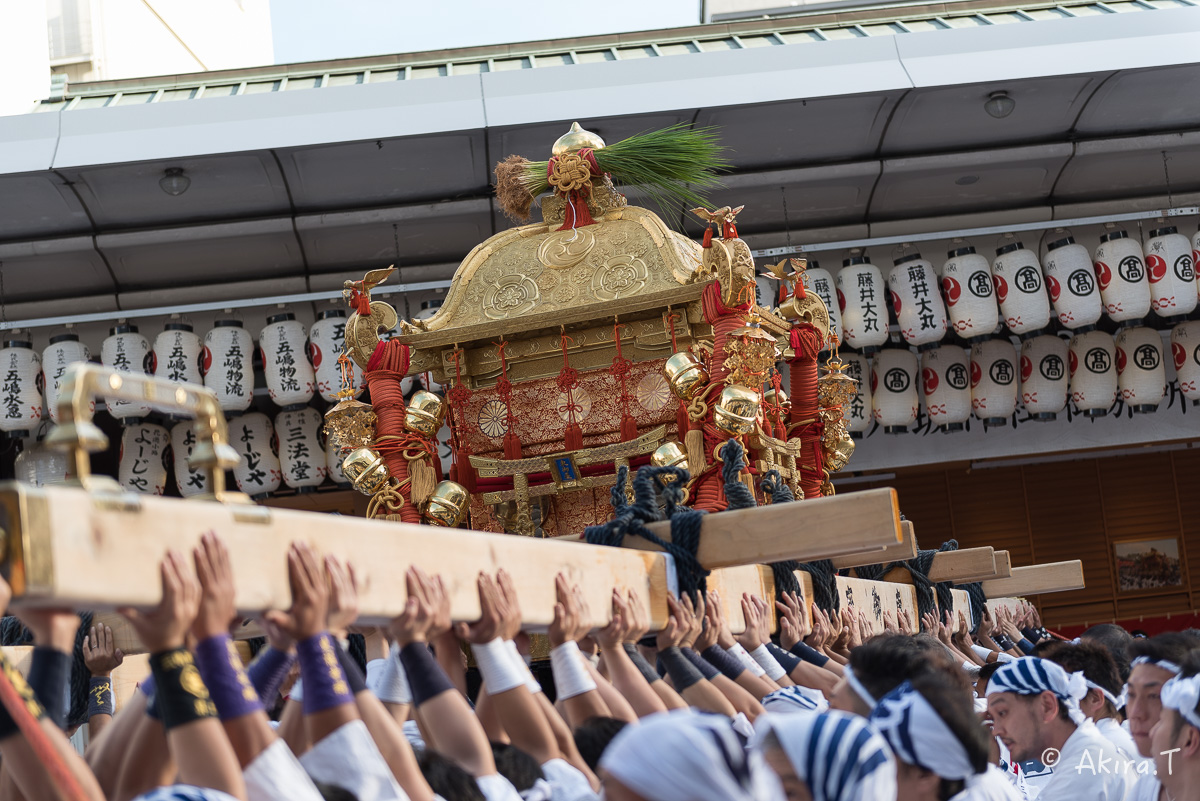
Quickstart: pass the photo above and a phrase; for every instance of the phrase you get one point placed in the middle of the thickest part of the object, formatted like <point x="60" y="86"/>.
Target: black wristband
<point x="354" y="675"/>
<point x="809" y="654"/>
<point x="786" y="659"/>
<point x="100" y="696"/>
<point x="706" y="670"/>
<point x="8" y="726"/>
<point x="178" y="689"/>
<point x="639" y="661"/>
<point x="50" y="678"/>
<point x="1031" y="634"/>
<point x="426" y="678"/>
<point x="682" y="672"/>
<point x="727" y="663"/>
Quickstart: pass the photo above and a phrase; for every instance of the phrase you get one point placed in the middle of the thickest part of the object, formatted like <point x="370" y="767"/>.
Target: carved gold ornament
<point x="563" y="249"/>
<point x="653" y="392"/>
<point x="493" y="419"/>
<point x="750" y="354"/>
<point x="349" y="425"/>
<point x="509" y="296"/>
<point x="620" y="276"/>
<point x="569" y="173"/>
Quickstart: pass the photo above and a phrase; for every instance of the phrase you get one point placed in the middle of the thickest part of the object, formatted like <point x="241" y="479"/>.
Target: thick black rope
<point x="737" y="494"/>
<point x="978" y="603"/>
<point x="630" y="519"/>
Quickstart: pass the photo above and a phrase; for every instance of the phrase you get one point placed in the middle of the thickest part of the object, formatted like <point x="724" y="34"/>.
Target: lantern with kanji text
<point x="128" y="351"/>
<point x="1141" y="374"/>
<point x="894" y="399"/>
<point x="1170" y="272"/>
<point x="1045" y="382"/>
<point x="1020" y="289"/>
<point x="945" y="380"/>
<point x="860" y="292"/>
<point x="1092" y="362"/>
<point x="229" y="365"/>
<point x="1071" y="281"/>
<point x="258" y="473"/>
<point x="143" y="461"/>
<point x="289" y="375"/>
<point x="301" y="454"/>
<point x="1121" y="274"/>
<point x="970" y="299"/>
<point x="994" y="381"/>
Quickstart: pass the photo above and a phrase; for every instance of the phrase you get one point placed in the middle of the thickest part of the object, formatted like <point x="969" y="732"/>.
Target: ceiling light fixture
<point x="174" y="182"/>
<point x="999" y="105"/>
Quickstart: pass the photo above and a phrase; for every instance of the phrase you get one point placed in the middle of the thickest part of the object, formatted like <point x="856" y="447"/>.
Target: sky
<point x="314" y="30"/>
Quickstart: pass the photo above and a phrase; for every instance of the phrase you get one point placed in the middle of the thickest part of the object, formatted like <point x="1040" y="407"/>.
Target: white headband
<point x="857" y="686"/>
<point x="1117" y="701"/>
<point x="918" y="735"/>
<point x="795" y="699"/>
<point x="1165" y="664"/>
<point x="1182" y="695"/>
<point x="1032" y="676"/>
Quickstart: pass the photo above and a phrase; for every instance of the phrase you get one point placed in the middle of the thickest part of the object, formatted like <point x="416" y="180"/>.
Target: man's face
<point x="915" y="784"/>
<point x="845" y="699"/>
<point x="1144" y="706"/>
<point x="1164" y="737"/>
<point x="1017" y="723"/>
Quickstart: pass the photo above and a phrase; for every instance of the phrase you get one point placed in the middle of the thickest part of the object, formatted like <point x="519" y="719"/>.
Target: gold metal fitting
<point x="366" y="470"/>
<point x="736" y="411"/>
<point x="447" y="506"/>
<point x="777" y="397"/>
<point x="575" y="140"/>
<point x="669" y="454"/>
<point x="350" y="425"/>
<point x="839" y="455"/>
<point x="686" y="375"/>
<point x="425" y="413"/>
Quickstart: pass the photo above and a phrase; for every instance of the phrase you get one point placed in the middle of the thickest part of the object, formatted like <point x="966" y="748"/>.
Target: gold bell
<point x="446" y="506"/>
<point x="839" y="455"/>
<point x="686" y="375"/>
<point x="736" y="411"/>
<point x="777" y="397"/>
<point x="575" y="140"/>
<point x="425" y="413"/>
<point x="669" y="454"/>
<point x="366" y="470"/>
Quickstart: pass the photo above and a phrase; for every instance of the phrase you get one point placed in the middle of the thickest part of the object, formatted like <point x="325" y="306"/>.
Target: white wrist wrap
<point x="768" y="662"/>
<point x="571" y="677"/>
<point x="297" y="692"/>
<point x="496" y="666"/>
<point x="981" y="652"/>
<point x="522" y="664"/>
<point x="744" y="656"/>
<point x="387" y="679"/>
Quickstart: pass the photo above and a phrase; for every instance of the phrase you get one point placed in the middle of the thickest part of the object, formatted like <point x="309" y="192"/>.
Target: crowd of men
<point x="821" y="712"/>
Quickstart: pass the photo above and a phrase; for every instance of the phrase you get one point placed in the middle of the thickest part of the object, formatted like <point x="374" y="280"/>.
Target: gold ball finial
<point x="576" y="139"/>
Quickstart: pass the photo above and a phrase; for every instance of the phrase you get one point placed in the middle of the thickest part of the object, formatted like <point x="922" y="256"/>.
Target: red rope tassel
<point x="682" y="423"/>
<point x="461" y="470"/>
<point x="620" y="370"/>
<point x="806" y="341"/>
<point x="568" y="381"/>
<point x="512" y="443"/>
<point x="388" y="365"/>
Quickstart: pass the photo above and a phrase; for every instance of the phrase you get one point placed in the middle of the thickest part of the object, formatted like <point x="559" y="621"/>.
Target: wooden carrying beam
<point x="1038" y="579"/>
<point x="901" y="551"/>
<point x="962" y="566"/>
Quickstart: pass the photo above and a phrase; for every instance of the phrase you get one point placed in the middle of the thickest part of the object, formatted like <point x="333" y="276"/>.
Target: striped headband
<point x="919" y="736"/>
<point x="795" y="699"/>
<point x="1033" y="676"/>
<point x="857" y="686"/>
<point x="1165" y="664"/>
<point x="839" y="756"/>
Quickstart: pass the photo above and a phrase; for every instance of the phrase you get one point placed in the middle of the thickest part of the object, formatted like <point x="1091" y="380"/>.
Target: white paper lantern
<point x="183" y="441"/>
<point x="1093" y="367"/>
<point x="1072" y="284"/>
<point x="994" y="381"/>
<point x="1170" y="272"/>
<point x="1020" y="289"/>
<point x="20" y="388"/>
<point x="1196" y="254"/>
<point x="325" y="341"/>
<point x="143" y="461"/>
<point x="63" y="351"/>
<point x="39" y="466"/>
<point x="894" y="389"/>
<point x="945" y="379"/>
<point x="1141" y="374"/>
<point x="301" y="454"/>
<point x="333" y="463"/>
<point x="970" y="299"/>
<point x="858" y="412"/>
<point x="860" y="292"/>
<point x="176" y="355"/>
<point x="290" y="377"/>
<point x="820" y="281"/>
<point x="128" y="351"/>
<point x="1045" y="382"/>
<point x="253" y="437"/>
<point x="1121" y="274"/>
<point x="918" y="304"/>
<point x="1185" y="349"/>
<point x="229" y="365"/>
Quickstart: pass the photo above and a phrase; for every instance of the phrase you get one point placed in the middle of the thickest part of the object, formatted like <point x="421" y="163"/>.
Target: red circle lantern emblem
<point x="1120" y="361"/>
<point x="1103" y="275"/>
<point x="952" y="289"/>
<point x="1156" y="266"/>
<point x="1055" y="289"/>
<point x="976" y="374"/>
<point x="1001" y="287"/>
<point x="1179" y="353"/>
<point x="1026" y="368"/>
<point x="929" y="377"/>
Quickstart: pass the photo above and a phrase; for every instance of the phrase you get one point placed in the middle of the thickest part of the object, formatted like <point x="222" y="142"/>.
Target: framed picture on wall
<point x="1148" y="565"/>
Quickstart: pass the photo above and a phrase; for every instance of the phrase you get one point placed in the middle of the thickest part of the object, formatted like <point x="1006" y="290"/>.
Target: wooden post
<point x="1038" y="579"/>
<point x="963" y="566"/>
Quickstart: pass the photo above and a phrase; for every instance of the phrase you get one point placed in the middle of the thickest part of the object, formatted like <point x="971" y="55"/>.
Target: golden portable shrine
<point x="595" y="339"/>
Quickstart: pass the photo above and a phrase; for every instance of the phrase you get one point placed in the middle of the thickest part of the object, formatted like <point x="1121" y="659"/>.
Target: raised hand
<point x="889" y="621"/>
<point x="420" y="610"/>
<point x="693" y="618"/>
<point x="791" y="627"/>
<point x="99" y="652"/>
<point x="309" y="612"/>
<point x="905" y="621"/>
<point x="510" y="608"/>
<point x="714" y="616"/>
<point x="637" y="617"/>
<point x="611" y="637"/>
<point x="493" y="612"/>
<point x="708" y="632"/>
<point x="568" y="625"/>
<point x="821" y="629"/>
<point x="166" y="626"/>
<point x="217" y="610"/>
<point x="672" y="633"/>
<point x="343" y="595"/>
<point x="748" y="639"/>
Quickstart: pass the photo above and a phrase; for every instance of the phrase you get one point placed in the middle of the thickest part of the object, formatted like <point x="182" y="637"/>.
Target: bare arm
<point x="623" y="674"/>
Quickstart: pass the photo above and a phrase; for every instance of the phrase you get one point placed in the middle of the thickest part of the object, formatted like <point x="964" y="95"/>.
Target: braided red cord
<point x="388" y="365"/>
<point x="806" y="341"/>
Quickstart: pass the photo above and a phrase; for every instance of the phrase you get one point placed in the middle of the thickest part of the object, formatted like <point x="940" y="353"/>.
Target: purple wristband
<point x="727" y="663"/>
<point x="147" y="686"/>
<point x="786" y="659"/>
<point x="324" y="682"/>
<point x="809" y="654"/>
<point x="708" y="671"/>
<point x="426" y="678"/>
<point x="268" y="671"/>
<point x="221" y="668"/>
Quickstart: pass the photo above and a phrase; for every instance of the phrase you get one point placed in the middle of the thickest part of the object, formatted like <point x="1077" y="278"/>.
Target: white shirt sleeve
<point x="276" y="775"/>
<point x="349" y="758"/>
<point x="567" y="782"/>
<point x="497" y="788"/>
